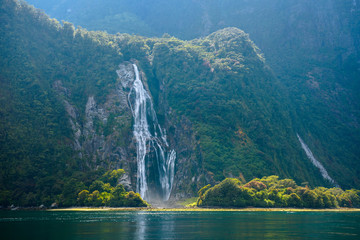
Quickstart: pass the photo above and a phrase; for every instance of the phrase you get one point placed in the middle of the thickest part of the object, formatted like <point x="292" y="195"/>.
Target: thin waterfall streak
<point x="171" y="168"/>
<point x="141" y="107"/>
<point x="315" y="162"/>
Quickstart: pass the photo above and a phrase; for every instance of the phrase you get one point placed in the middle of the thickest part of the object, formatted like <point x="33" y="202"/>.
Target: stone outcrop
<point x="103" y="137"/>
<point x="102" y="132"/>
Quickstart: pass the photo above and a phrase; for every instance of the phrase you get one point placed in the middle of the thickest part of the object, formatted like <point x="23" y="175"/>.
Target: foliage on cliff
<point x="312" y="47"/>
<point x="37" y="160"/>
<point x="272" y="192"/>
<point x="223" y="86"/>
<point x="241" y="118"/>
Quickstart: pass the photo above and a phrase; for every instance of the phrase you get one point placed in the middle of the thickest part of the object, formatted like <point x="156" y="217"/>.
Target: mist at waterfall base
<point x="155" y="159"/>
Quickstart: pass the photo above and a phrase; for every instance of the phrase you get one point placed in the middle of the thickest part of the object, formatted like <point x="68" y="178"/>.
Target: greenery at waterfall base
<point x="271" y="192"/>
<point x="92" y="190"/>
<point x="106" y="192"/>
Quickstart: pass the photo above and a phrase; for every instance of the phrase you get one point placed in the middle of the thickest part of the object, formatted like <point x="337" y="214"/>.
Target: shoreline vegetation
<point x="265" y="194"/>
<point x="271" y="192"/>
<point x="249" y="209"/>
<point x="180" y="209"/>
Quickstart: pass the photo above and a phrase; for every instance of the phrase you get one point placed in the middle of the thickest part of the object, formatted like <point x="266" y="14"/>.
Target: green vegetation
<point x="37" y="160"/>
<point x="106" y="192"/>
<point x="243" y="124"/>
<point x="241" y="120"/>
<point x="315" y="58"/>
<point x="272" y="192"/>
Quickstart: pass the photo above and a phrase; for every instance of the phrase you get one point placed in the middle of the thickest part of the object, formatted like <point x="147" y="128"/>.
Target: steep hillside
<point x="311" y="46"/>
<point x="48" y="74"/>
<point x="68" y="113"/>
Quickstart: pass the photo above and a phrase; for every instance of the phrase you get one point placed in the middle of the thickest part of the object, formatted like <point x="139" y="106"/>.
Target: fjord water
<point x="179" y="225"/>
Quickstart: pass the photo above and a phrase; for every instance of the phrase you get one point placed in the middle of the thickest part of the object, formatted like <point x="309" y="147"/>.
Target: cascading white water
<point x="315" y="162"/>
<point x="149" y="138"/>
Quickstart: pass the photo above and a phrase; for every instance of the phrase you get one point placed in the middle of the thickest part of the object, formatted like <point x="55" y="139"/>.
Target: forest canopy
<point x="272" y="192"/>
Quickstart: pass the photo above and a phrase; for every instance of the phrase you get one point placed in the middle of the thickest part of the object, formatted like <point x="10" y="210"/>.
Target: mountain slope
<point x="311" y="46"/>
<point x="67" y="120"/>
<point x="37" y="154"/>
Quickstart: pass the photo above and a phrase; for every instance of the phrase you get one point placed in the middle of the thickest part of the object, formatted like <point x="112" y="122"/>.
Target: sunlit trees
<point x="109" y="193"/>
<point x="272" y="192"/>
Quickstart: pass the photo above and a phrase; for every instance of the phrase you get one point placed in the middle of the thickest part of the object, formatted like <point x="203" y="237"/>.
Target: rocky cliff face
<point x="103" y="137"/>
<point x="102" y="133"/>
<point x="190" y="174"/>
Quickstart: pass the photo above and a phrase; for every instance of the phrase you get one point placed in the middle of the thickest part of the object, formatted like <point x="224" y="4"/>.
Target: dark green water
<point x="179" y="225"/>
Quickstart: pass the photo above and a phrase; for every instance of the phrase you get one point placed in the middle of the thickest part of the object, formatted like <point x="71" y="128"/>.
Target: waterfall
<point x="150" y="138"/>
<point x="315" y="162"/>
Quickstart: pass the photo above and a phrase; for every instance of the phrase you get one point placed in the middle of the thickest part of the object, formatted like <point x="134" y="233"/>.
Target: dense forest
<point x="65" y="126"/>
<point x="312" y="48"/>
<point x="37" y="160"/>
<point x="272" y="192"/>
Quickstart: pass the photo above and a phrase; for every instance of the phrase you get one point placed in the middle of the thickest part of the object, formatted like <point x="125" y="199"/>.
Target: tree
<point x="113" y="176"/>
<point x="97" y="185"/>
<point x="294" y="200"/>
<point x="94" y="199"/>
<point x="83" y="197"/>
<point x="134" y="200"/>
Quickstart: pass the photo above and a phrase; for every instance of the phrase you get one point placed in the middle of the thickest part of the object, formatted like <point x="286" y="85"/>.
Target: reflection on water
<point x="140" y="226"/>
<point x="179" y="225"/>
<point x="151" y="225"/>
